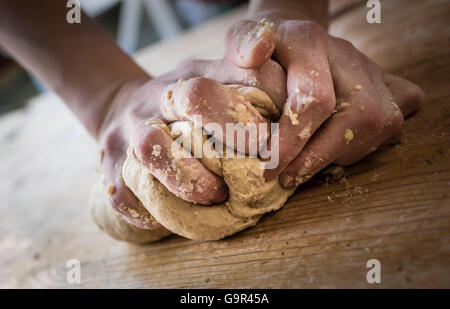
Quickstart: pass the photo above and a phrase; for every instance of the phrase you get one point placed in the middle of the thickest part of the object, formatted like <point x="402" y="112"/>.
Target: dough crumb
<point x="240" y="113"/>
<point x="111" y="189"/>
<point x="341" y="106"/>
<point x="306" y="101"/>
<point x="358" y="87"/>
<point x="336" y="172"/>
<point x="102" y="155"/>
<point x="292" y="116"/>
<point x="169" y="94"/>
<point x="305" y="132"/>
<point x="264" y="28"/>
<point x="348" y="135"/>
<point x="156" y="150"/>
<point x="299" y="179"/>
<point x="151" y="122"/>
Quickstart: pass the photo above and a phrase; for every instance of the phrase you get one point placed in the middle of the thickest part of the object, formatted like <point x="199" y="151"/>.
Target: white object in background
<point x="162" y="17"/>
<point x="129" y="25"/>
<point x="161" y="12"/>
<point x="97" y="7"/>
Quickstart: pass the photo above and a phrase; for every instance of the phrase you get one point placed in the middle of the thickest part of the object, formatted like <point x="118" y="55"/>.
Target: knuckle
<point x="311" y="27"/>
<point x="308" y="30"/>
<point x="373" y="119"/>
<point x="196" y="88"/>
<point x="325" y="102"/>
<point x="415" y="94"/>
<point x="112" y="140"/>
<point x="145" y="142"/>
<point x="344" y="44"/>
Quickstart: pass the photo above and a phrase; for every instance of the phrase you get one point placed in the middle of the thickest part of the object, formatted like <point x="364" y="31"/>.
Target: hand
<point x="140" y="111"/>
<point x="341" y="106"/>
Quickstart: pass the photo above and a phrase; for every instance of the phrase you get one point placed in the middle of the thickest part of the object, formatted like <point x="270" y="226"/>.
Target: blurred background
<point x="134" y="24"/>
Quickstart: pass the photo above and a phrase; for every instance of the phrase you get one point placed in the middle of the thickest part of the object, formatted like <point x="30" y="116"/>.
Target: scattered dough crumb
<point x="292" y="116"/>
<point x="156" y="150"/>
<point x="299" y="179"/>
<point x="264" y="28"/>
<point x="341" y="106"/>
<point x="169" y="94"/>
<point x="151" y="122"/>
<point x="348" y="135"/>
<point x="305" y="132"/>
<point x="358" y="87"/>
<point x="111" y="189"/>
<point x="240" y="113"/>
<point x="336" y="172"/>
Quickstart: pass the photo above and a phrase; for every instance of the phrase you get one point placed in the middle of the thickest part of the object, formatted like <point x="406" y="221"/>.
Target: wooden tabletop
<point x="393" y="206"/>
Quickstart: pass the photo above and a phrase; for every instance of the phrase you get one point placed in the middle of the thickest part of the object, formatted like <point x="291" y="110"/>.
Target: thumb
<point x="249" y="44"/>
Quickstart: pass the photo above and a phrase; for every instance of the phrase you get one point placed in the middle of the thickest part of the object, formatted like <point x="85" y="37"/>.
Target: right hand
<point x="341" y="106"/>
<point x="135" y="116"/>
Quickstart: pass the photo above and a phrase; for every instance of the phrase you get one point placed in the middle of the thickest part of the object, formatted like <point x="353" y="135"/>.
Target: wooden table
<point x="393" y="206"/>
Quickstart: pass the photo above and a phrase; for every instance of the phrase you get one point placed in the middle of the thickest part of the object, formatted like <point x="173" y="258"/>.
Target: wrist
<point x="116" y="102"/>
<point x="274" y="11"/>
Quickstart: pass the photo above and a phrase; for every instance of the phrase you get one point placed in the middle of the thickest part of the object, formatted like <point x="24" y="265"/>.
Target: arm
<point x="110" y="94"/>
<point x="286" y="9"/>
<point x="80" y="62"/>
<point x="120" y="104"/>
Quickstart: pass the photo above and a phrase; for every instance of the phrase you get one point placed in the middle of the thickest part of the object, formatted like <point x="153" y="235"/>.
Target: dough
<point x="112" y="222"/>
<point x="250" y="196"/>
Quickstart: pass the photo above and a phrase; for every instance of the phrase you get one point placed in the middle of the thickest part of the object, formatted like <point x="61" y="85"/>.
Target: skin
<point x="127" y="123"/>
<point x="115" y="99"/>
<point x="340" y="107"/>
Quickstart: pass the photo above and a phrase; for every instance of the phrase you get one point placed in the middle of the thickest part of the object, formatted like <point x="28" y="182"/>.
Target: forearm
<point x="80" y="62"/>
<point x="316" y="10"/>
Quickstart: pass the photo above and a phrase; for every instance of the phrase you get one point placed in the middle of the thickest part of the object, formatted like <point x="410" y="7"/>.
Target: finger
<point x="392" y="127"/>
<point x="226" y="115"/>
<point x="408" y="96"/>
<point x="174" y="167"/>
<point x="249" y="44"/>
<point x="270" y="77"/>
<point x="119" y="196"/>
<point x="359" y="116"/>
<point x="339" y="135"/>
<point x="302" y="50"/>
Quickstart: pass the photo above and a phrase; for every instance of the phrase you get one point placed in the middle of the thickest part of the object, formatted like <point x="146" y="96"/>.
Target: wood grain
<point x="393" y="206"/>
